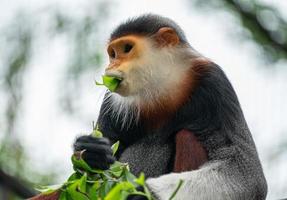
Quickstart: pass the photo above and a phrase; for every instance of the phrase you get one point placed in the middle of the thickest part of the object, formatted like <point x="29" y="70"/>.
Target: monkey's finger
<point x="99" y="165"/>
<point x="91" y="157"/>
<point x="96" y="148"/>
<point x="91" y="139"/>
<point x="102" y="163"/>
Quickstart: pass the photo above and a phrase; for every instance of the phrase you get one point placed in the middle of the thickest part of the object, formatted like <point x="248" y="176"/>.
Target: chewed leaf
<point x="115" y="147"/>
<point x="110" y="82"/>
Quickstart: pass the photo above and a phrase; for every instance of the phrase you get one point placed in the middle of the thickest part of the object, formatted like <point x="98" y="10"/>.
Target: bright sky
<point x="49" y="134"/>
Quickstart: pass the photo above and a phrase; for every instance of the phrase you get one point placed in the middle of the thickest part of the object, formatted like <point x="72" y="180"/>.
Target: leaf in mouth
<point x="110" y="82"/>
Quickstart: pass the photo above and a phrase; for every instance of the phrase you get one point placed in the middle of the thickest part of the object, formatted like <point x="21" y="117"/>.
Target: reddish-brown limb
<point x="190" y="154"/>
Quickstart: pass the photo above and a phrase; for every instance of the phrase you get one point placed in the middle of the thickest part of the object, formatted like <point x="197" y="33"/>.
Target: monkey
<point x="177" y="117"/>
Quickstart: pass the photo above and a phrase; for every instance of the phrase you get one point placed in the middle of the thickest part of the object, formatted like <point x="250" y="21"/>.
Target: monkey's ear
<point x="166" y="37"/>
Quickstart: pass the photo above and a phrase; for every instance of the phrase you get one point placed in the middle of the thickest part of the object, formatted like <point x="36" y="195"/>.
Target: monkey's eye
<point x="127" y="48"/>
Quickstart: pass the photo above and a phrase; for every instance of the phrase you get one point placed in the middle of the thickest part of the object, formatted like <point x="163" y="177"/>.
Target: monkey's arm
<point x="208" y="182"/>
<point x="203" y="179"/>
<point x="190" y="154"/>
<point x="216" y="180"/>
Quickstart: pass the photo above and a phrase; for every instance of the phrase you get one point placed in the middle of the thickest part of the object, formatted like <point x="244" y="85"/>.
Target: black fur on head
<point x="147" y="24"/>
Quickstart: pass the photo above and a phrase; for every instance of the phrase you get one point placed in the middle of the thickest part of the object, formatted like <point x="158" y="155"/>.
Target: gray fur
<point x="153" y="150"/>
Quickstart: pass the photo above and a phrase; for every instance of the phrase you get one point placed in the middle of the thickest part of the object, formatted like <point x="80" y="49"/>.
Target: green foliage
<point x="265" y="25"/>
<point x="96" y="132"/>
<point x="110" y="82"/>
<point x="93" y="184"/>
<point x="115" y="147"/>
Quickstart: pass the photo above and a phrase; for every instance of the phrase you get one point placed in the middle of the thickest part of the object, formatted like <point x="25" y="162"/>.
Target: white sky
<point x="49" y="134"/>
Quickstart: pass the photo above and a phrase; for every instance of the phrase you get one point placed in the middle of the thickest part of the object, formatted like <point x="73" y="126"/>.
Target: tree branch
<point x="15" y="186"/>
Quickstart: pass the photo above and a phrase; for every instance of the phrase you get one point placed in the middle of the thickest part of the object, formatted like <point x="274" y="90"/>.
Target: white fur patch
<point x="123" y="109"/>
<point x="210" y="182"/>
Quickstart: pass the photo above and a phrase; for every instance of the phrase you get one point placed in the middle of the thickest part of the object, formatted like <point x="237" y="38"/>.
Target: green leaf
<point x="117" y="164"/>
<point x="97" y="133"/>
<point x="176" y="189"/>
<point x="108" y="186"/>
<point x="124" y="195"/>
<point x="115" y="193"/>
<point x="147" y="192"/>
<point x="82" y="183"/>
<point x="80" y="164"/>
<point x="115" y="147"/>
<point x="93" y="192"/>
<point x="101" y="190"/>
<point x="128" y="176"/>
<point x="63" y="196"/>
<point x="141" y="179"/>
<point x="117" y="172"/>
<point x="73" y="177"/>
<point x="117" y="169"/>
<point x="110" y="82"/>
<point x="73" y="191"/>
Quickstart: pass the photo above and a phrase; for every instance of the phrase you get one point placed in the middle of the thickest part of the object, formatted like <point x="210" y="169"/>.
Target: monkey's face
<point x="145" y="65"/>
<point x="124" y="55"/>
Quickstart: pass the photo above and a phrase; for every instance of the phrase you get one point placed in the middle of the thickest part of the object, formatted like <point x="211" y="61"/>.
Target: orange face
<point x="131" y="58"/>
<point x="125" y="54"/>
<point x="123" y="50"/>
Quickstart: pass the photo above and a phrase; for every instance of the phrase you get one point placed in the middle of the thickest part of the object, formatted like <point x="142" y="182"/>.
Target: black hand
<point x="98" y="153"/>
<point x="137" y="197"/>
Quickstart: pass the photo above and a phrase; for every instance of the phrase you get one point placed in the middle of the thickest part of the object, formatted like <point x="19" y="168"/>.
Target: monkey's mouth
<point x="112" y="80"/>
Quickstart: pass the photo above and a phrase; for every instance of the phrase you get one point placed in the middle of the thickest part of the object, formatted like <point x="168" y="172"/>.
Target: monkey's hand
<point x="98" y="153"/>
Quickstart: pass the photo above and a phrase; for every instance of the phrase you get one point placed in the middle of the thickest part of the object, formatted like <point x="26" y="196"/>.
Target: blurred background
<point x="51" y="52"/>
